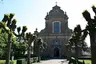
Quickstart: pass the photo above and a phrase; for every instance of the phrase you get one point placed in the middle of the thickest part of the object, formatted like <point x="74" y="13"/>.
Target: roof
<point x="56" y="12"/>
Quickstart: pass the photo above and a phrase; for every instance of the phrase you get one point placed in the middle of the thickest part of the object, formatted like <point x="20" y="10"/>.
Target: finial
<point x="65" y="12"/>
<point x="36" y="29"/>
<point x="56" y="3"/>
<point x="47" y="13"/>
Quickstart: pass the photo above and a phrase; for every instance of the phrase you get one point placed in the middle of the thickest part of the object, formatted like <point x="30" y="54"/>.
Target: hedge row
<point x="20" y="61"/>
<point x="11" y="61"/>
<point x="24" y="61"/>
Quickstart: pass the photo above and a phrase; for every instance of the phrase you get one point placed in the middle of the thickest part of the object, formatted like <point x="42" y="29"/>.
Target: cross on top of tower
<point x="56" y="3"/>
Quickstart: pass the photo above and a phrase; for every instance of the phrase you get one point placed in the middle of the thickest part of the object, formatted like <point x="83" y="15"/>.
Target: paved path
<point x="53" y="61"/>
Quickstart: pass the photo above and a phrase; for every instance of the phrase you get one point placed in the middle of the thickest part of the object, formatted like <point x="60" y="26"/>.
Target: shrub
<point x="24" y="61"/>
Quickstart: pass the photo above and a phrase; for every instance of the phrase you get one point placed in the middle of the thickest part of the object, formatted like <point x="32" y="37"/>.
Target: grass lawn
<point x="86" y="61"/>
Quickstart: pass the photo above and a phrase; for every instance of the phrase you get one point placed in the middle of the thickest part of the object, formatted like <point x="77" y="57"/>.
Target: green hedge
<point x="11" y="62"/>
<point x="20" y="61"/>
<point x="24" y="61"/>
<point x="86" y="61"/>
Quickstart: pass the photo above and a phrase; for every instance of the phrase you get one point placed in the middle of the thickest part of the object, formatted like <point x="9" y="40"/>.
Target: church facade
<point x="55" y="34"/>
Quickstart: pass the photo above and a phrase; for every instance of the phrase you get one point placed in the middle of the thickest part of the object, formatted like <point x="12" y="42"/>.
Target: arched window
<point x="56" y="27"/>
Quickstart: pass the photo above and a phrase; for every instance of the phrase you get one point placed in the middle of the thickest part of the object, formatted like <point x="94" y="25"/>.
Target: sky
<point x="32" y="12"/>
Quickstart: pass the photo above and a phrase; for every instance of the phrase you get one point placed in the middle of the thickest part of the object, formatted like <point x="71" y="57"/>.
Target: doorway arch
<point x="56" y="52"/>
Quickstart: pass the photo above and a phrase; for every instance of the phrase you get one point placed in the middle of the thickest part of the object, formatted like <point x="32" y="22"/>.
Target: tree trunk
<point x="34" y="49"/>
<point x="28" y="60"/>
<point x="39" y="53"/>
<point x="8" y="49"/>
<point x="69" y="53"/>
<point x="76" y="53"/>
<point x="93" y="47"/>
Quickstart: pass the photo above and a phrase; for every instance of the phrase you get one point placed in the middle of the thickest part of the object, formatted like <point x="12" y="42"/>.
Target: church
<point x="55" y="34"/>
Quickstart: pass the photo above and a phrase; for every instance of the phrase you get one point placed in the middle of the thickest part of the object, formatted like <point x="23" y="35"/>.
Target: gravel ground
<point x="53" y="61"/>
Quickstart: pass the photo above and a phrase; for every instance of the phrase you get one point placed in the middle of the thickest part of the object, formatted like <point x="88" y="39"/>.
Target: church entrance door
<point x="56" y="52"/>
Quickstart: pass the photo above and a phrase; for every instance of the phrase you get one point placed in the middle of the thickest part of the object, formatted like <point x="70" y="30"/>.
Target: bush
<point x="24" y="61"/>
<point x="13" y="62"/>
<point x="35" y="59"/>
